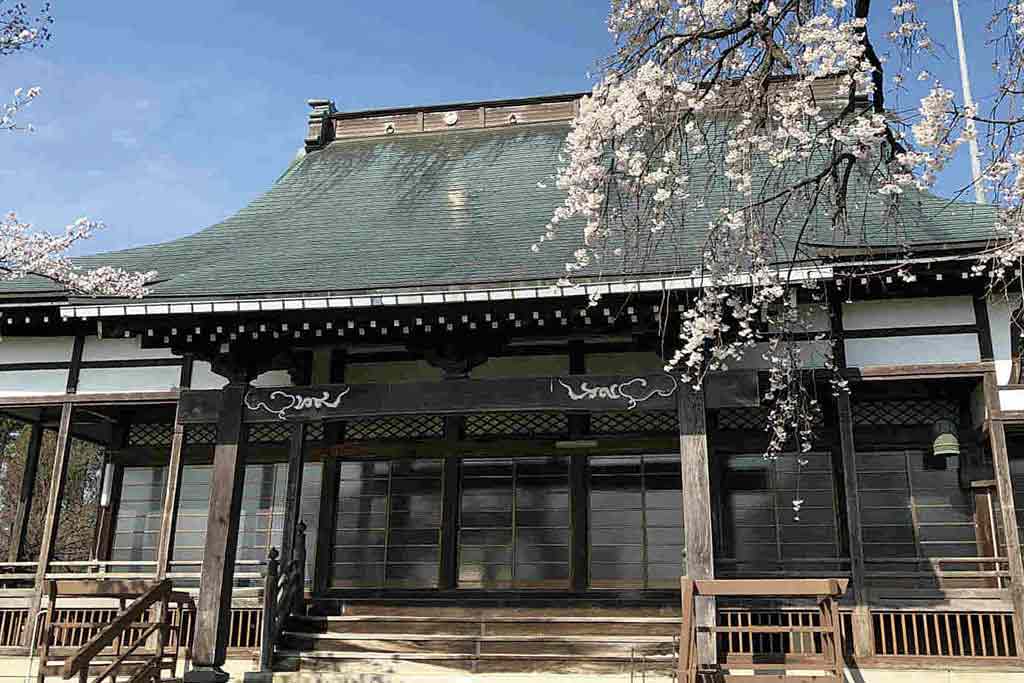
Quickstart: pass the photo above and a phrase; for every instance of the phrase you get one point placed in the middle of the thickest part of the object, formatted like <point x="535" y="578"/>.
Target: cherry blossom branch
<point x="26" y="252"/>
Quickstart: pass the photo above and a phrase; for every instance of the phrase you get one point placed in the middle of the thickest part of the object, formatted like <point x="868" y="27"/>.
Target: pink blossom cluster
<point x="25" y="251"/>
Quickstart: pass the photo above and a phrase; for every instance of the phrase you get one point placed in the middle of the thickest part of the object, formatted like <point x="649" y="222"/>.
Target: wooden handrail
<point x="131" y="648"/>
<point x="131" y="614"/>
<point x="283" y="595"/>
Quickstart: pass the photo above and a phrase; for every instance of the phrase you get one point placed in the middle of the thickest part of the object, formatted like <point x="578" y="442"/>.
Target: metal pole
<point x="965" y="81"/>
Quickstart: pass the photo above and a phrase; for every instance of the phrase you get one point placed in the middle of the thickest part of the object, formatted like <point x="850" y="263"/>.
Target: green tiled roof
<point x="429" y="210"/>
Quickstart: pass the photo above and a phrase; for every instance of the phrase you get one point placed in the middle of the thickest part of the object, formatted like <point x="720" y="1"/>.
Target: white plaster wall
<point x="523" y="366"/>
<point x="812" y="355"/>
<point x="113" y="380"/>
<point x="631" y="362"/>
<point x="203" y="377"/>
<point x="396" y="372"/>
<point x="120" y="349"/>
<point x="273" y="378"/>
<point x="36" y="350"/>
<point x="32" y="382"/>
<point x="999" y="327"/>
<point x="919" y="312"/>
<point x="1012" y="399"/>
<point x="912" y="350"/>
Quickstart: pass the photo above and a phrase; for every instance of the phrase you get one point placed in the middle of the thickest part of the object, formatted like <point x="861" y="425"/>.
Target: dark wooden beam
<point x="19" y="528"/>
<point x="572" y="393"/>
<point x="983" y="327"/>
<point x="213" y="614"/>
<point x="696" y="492"/>
<point x="1007" y="506"/>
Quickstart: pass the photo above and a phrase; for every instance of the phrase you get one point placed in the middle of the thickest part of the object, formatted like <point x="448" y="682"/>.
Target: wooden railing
<point x="821" y="639"/>
<point x="283" y="595"/>
<point x="142" y="639"/>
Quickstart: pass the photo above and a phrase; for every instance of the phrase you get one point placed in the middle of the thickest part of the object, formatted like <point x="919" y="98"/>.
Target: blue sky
<point x="160" y="118"/>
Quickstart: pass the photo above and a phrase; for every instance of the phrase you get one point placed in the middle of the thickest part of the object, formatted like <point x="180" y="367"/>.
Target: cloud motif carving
<point x="282" y="403"/>
<point x="633" y="391"/>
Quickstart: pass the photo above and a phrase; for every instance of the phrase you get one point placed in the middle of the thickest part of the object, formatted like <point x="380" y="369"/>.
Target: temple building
<point x="359" y="428"/>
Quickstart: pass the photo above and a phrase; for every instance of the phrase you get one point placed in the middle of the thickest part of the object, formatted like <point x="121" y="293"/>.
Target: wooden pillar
<point x="863" y="633"/>
<point x="19" y="528"/>
<point x="1007" y="505"/>
<point x="213" y="615"/>
<point x="293" y="507"/>
<point x="696" y="488"/>
<point x="448" y="571"/>
<point x="327" y="517"/>
<point x="52" y="519"/>
<point x="58" y="475"/>
<point x="296" y="463"/>
<point x="579" y="427"/>
<point x="172" y="492"/>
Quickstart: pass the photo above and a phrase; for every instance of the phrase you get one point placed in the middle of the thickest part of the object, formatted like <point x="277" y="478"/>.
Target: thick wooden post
<point x="213" y="616"/>
<point x="696" y="487"/>
<point x="19" y="528"/>
<point x="327" y="517"/>
<point x="172" y="492"/>
<point x="293" y="508"/>
<point x="53" y="504"/>
<point x="1007" y="505"/>
<point x="863" y="633"/>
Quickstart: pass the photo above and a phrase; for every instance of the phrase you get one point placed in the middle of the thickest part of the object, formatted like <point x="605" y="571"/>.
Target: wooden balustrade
<point x="812" y="644"/>
<point x="283" y="595"/>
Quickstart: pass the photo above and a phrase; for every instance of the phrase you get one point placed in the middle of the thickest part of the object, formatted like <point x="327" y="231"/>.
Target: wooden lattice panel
<point x="635" y="422"/>
<point x="517" y="424"/>
<point x="396" y="427"/>
<point x="200" y="434"/>
<point x="150" y="434"/>
<point x="909" y="412"/>
<point x="269" y="432"/>
<point x="315" y="431"/>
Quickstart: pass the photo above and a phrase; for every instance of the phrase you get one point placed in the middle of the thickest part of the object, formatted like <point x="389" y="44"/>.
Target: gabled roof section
<point x="430" y="199"/>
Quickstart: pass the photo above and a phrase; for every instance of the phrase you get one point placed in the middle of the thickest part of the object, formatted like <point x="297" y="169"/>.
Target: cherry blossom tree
<point x="725" y="139"/>
<point x="25" y="251"/>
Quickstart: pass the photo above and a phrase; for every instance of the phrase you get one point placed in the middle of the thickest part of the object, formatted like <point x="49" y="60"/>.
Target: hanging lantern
<point x="945" y="444"/>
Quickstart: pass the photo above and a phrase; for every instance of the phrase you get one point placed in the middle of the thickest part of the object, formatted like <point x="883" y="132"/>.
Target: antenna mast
<point x="965" y="81"/>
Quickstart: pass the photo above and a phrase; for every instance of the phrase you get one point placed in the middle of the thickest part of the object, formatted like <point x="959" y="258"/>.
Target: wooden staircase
<point x="372" y="639"/>
<point x="141" y="643"/>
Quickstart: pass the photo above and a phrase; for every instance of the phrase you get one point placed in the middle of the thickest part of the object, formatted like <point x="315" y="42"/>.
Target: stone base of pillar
<point x="206" y="674"/>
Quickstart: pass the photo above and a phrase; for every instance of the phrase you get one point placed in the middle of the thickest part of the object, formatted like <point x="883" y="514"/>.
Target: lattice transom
<point x="395" y="427"/>
<point x="150" y="434"/>
<point x="517" y="424"/>
<point x="634" y="422"/>
<point x="200" y="434"/>
<point x="315" y="431"/>
<point x="906" y="412"/>
<point x="269" y="432"/>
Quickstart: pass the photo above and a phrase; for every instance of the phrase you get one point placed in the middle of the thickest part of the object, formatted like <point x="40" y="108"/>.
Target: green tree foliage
<point x="76" y="531"/>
